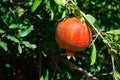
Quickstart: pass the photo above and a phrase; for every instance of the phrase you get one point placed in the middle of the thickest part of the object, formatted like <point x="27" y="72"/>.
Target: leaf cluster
<point x="27" y="36"/>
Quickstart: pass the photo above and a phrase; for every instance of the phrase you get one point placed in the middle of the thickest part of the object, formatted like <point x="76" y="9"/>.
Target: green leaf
<point x="19" y="49"/>
<point x="20" y="11"/>
<point x="116" y="62"/>
<point x="52" y="14"/>
<point x="5" y="20"/>
<point x="63" y="14"/>
<point x="42" y="78"/>
<point x="91" y="18"/>
<point x="106" y="40"/>
<point x="13" y="38"/>
<point x="27" y="44"/>
<point x="13" y="26"/>
<point x="7" y="65"/>
<point x="1" y="31"/>
<point x="117" y="76"/>
<point x="44" y="54"/>
<point x="68" y="75"/>
<point x="115" y="32"/>
<point x="93" y="55"/>
<point x="3" y="45"/>
<point x="35" y="5"/>
<point x="25" y="32"/>
<point x="47" y="75"/>
<point x="60" y="2"/>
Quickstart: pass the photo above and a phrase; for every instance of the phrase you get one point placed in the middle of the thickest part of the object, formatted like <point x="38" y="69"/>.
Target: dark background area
<point x="40" y="57"/>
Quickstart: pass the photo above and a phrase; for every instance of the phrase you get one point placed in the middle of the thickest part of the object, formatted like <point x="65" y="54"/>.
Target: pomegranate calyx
<point x="69" y="54"/>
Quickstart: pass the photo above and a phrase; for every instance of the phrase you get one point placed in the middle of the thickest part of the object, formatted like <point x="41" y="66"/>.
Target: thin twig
<point x="113" y="66"/>
<point x="54" y="71"/>
<point x="40" y="63"/>
<point x="83" y="14"/>
<point x="93" y="41"/>
<point x="95" y="29"/>
<point x="91" y="24"/>
<point x="3" y="36"/>
<point x="71" y="65"/>
<point x="112" y="51"/>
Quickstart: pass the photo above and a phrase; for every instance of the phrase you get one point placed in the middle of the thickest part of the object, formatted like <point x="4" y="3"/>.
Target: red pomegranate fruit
<point x="73" y="35"/>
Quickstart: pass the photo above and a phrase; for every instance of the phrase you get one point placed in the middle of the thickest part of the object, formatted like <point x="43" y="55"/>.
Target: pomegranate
<point x="73" y="35"/>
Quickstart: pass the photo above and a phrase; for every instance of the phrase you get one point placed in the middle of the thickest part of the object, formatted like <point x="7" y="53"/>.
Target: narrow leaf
<point x="93" y="55"/>
<point x="27" y="44"/>
<point x="14" y="26"/>
<point x="60" y="2"/>
<point x="117" y="75"/>
<point x="64" y="14"/>
<point x="47" y="75"/>
<point x="44" y="54"/>
<point x="117" y="62"/>
<point x="13" y="38"/>
<point x="106" y="40"/>
<point x="115" y="32"/>
<point x="91" y="18"/>
<point x="42" y="78"/>
<point x="3" y="45"/>
<point x="19" y="49"/>
<point x="1" y="31"/>
<point x="35" y="5"/>
<point x="52" y="14"/>
<point x="25" y="32"/>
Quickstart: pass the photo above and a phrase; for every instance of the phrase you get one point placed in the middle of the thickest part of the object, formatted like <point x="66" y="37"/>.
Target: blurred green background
<point x="28" y="46"/>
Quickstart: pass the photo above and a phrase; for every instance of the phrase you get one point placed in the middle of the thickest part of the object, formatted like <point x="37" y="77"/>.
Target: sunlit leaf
<point x="47" y="75"/>
<point x="42" y="78"/>
<point x="52" y="15"/>
<point x="117" y="75"/>
<point x="106" y="40"/>
<point x="44" y="54"/>
<point x="20" y="11"/>
<point x="91" y="18"/>
<point x="115" y="32"/>
<point x="3" y="45"/>
<point x="13" y="26"/>
<point x="19" y="49"/>
<point x="25" y="32"/>
<point x="13" y="38"/>
<point x="117" y="62"/>
<point x="64" y="14"/>
<point x="7" y="65"/>
<point x="1" y="31"/>
<point x="35" y="5"/>
<point x="27" y="44"/>
<point x="60" y="2"/>
<point x="93" y="55"/>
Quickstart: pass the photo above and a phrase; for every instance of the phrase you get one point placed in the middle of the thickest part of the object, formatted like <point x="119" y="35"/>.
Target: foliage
<point x="27" y="36"/>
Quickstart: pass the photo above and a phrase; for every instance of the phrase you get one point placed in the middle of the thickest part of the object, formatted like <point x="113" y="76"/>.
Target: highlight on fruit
<point x="73" y="35"/>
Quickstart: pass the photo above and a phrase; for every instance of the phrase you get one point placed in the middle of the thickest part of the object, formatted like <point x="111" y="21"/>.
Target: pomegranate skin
<point x="73" y="35"/>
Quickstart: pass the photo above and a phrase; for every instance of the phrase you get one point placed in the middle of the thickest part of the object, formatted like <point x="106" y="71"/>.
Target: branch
<point x="2" y="36"/>
<point x="71" y="65"/>
<point x="91" y="24"/>
<point x="7" y="32"/>
<point x="40" y="62"/>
